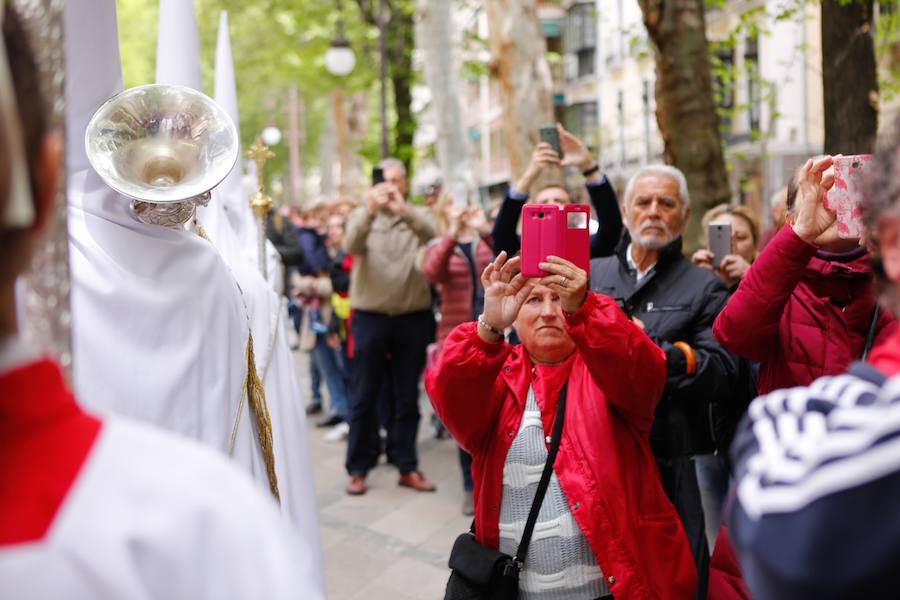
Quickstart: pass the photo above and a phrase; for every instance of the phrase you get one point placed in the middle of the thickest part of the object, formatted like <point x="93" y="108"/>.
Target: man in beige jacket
<point x="392" y="324"/>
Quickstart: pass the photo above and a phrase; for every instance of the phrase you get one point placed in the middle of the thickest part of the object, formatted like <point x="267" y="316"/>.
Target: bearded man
<point x="675" y="303"/>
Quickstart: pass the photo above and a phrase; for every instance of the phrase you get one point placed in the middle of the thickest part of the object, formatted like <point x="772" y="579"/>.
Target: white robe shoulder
<point x="154" y="516"/>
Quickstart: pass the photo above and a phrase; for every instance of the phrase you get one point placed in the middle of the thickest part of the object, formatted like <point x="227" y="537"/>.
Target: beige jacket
<point x="385" y="278"/>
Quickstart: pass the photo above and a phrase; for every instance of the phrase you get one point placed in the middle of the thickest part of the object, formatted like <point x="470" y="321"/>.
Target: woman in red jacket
<point x="605" y="526"/>
<point x="804" y="308"/>
<point x="453" y="263"/>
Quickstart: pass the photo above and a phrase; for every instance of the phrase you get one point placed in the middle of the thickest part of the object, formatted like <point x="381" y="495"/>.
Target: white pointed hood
<point x="158" y="326"/>
<point x="178" y="63"/>
<point x="178" y="45"/>
<point x="233" y="196"/>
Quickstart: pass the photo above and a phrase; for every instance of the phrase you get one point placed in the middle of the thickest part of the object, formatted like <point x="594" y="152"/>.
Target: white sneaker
<point x="338" y="433"/>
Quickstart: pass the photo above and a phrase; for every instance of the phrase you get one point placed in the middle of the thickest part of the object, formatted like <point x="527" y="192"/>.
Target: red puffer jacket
<point x="605" y="468"/>
<point x="447" y="267"/>
<point x="801" y="314"/>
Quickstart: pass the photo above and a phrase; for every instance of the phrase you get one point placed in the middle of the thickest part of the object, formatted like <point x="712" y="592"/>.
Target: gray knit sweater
<point x="560" y="564"/>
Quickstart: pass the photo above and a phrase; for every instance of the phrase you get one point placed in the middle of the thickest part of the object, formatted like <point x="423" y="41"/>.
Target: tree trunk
<point x="401" y="41"/>
<point x="685" y="108"/>
<point x="399" y="29"/>
<point x="435" y="36"/>
<point x="849" y="77"/>
<point x="519" y="65"/>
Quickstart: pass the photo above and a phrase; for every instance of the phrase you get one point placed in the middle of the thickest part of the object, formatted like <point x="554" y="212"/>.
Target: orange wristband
<point x="689" y="357"/>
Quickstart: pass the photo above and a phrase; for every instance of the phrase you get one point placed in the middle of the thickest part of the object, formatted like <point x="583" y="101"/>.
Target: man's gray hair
<point x="664" y="171"/>
<point x="393" y="163"/>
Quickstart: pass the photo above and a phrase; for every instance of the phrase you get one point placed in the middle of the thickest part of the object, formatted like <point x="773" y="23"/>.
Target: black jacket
<point x="603" y="243"/>
<point x="676" y="301"/>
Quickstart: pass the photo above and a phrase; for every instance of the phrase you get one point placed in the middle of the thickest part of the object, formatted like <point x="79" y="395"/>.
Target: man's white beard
<point x="651" y="242"/>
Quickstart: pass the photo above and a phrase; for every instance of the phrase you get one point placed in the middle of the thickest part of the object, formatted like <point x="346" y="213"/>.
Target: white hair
<point x="669" y="171"/>
<point x="393" y="163"/>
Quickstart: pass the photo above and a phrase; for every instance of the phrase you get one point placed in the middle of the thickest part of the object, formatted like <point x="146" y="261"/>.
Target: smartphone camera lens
<point x="540" y="215"/>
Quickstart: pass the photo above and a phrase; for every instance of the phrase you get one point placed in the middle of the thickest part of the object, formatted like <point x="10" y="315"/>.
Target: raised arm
<point x="609" y="215"/>
<point x="465" y="388"/>
<point x="504" y="233"/>
<point x="504" y="236"/>
<point x="359" y="223"/>
<point x="626" y="365"/>
<point x="622" y="360"/>
<point x="749" y="324"/>
<point x="436" y="266"/>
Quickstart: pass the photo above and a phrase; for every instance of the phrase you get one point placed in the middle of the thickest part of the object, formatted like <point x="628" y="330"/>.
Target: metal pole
<point x="382" y="49"/>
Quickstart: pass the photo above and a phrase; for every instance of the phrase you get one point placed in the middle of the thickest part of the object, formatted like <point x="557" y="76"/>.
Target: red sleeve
<point x="437" y="260"/>
<point x="465" y="387"/>
<point x="627" y="366"/>
<point x="748" y="325"/>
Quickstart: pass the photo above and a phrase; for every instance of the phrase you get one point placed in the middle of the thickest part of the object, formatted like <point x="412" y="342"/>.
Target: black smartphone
<point x="550" y="135"/>
<point x="377" y="175"/>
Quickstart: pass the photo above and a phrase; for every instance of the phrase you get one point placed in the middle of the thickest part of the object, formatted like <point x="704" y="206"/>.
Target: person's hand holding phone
<point x="395" y="202"/>
<point x="703" y="258"/>
<point x="505" y="291"/>
<point x="812" y="219"/>
<point x="575" y="152"/>
<point x="475" y="219"/>
<point x="542" y="157"/>
<point x="569" y="281"/>
<point x="455" y="222"/>
<point x="732" y="269"/>
<point x="371" y="201"/>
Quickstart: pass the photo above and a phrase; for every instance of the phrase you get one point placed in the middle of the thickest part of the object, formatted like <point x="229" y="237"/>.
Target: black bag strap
<point x="545" y="477"/>
<point x="870" y="336"/>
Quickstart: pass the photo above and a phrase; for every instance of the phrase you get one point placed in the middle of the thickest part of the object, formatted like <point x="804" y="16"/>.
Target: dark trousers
<point x="465" y="464"/>
<point x="376" y="337"/>
<point x="679" y="480"/>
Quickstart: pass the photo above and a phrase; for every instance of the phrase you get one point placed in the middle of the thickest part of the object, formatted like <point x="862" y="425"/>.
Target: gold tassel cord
<point x="256" y="393"/>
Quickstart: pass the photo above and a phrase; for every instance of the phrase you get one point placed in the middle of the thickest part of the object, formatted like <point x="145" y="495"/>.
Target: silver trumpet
<point x="163" y="146"/>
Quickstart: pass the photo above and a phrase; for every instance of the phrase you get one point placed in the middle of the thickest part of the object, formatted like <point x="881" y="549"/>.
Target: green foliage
<point x="275" y="43"/>
<point x="887" y="48"/>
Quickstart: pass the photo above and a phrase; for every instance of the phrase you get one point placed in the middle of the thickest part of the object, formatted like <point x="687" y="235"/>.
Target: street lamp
<point x="340" y="59"/>
<point x="271" y="136"/>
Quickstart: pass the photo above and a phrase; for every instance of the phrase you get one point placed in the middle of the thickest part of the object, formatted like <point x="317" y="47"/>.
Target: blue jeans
<point x="332" y="369"/>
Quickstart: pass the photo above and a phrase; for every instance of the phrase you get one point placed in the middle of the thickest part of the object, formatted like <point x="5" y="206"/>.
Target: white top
<point x="633" y="265"/>
<point x="152" y="516"/>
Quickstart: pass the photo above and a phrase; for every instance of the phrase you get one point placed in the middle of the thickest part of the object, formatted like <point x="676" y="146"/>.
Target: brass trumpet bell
<point x="163" y="146"/>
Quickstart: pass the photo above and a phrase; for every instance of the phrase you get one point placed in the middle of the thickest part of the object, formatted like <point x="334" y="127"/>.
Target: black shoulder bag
<point x="480" y="573"/>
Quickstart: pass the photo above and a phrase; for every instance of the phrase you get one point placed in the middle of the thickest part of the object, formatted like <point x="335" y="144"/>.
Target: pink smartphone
<point x="846" y="196"/>
<point x="548" y="230"/>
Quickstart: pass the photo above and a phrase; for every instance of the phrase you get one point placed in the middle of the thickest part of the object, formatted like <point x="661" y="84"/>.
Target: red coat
<point x="605" y="468"/>
<point x="447" y="267"/>
<point x="799" y="314"/>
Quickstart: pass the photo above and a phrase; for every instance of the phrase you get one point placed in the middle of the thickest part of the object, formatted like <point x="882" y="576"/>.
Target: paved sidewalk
<point x="391" y="543"/>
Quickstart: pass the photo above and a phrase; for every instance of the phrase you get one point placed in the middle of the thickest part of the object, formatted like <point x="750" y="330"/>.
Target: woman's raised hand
<point x="505" y="290"/>
<point x="569" y="281"/>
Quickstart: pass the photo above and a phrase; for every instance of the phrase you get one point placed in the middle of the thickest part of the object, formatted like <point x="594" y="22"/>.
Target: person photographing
<point x="604" y="526"/>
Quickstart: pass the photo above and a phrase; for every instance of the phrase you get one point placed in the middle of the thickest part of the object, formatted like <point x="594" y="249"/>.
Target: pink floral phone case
<point x="845" y="197"/>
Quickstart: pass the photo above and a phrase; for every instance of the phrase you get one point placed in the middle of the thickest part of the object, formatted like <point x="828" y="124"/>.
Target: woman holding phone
<point x="453" y="263"/>
<point x="731" y="263"/>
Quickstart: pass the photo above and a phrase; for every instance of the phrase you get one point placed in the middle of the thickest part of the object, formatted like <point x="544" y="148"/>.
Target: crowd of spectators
<point x="384" y="286"/>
